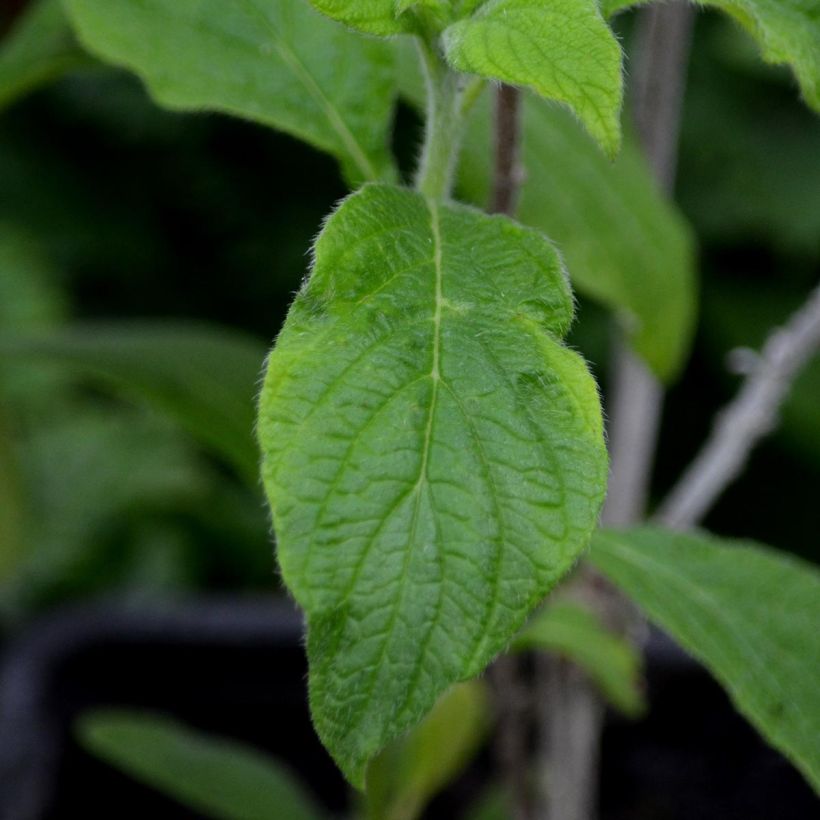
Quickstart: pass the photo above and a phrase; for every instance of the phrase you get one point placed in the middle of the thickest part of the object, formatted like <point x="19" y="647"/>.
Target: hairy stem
<point x="444" y="124"/>
<point x="749" y="417"/>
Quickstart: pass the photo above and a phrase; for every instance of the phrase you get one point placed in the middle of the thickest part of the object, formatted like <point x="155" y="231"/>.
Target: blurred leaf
<point x="409" y="772"/>
<point x="562" y="49"/>
<point x="280" y="64"/>
<point x="220" y="778"/>
<point x="748" y="613"/>
<point x="38" y="49"/>
<point x="203" y="376"/>
<point x="624" y="243"/>
<point x="787" y="31"/>
<point x="13" y="524"/>
<point x="573" y="632"/>
<point x="493" y="803"/>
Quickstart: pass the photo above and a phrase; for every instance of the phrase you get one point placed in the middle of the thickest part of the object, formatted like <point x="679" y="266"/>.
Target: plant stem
<point x="442" y="139"/>
<point x="508" y="175"/>
<point x="749" y="417"/>
<point x="573" y="712"/>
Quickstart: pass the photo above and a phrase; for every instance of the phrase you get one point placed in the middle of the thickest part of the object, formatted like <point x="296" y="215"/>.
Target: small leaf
<point x="562" y="49"/>
<point x="220" y="778"/>
<point x="573" y="632"/>
<point x="432" y="454"/>
<point x="748" y="613"/>
<point x="279" y="64"/>
<point x="412" y="770"/>
<point x="787" y="31"/>
<point x="39" y="48"/>
<point x="204" y="377"/>
<point x="626" y="245"/>
<point x="381" y="17"/>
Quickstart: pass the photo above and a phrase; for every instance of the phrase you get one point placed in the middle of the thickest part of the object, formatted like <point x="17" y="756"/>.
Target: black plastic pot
<point x="236" y="668"/>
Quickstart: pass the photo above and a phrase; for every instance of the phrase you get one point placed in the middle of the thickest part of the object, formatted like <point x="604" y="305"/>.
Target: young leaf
<point x="204" y="377"/>
<point x="787" y="31"/>
<point x="562" y="49"/>
<point x="409" y="772"/>
<point x="219" y="778"/>
<point x="279" y="63"/>
<point x="381" y="17"/>
<point x="750" y="614"/>
<point x="575" y="633"/>
<point x="432" y="454"/>
<point x="625" y="244"/>
<point x="39" y="48"/>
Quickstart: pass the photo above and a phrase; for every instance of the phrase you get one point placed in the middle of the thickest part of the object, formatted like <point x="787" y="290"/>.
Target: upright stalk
<point x="573" y="714"/>
<point x="444" y="125"/>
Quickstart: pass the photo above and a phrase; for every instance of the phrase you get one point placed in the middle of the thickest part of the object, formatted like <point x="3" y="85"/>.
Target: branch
<point x="749" y="417"/>
<point x="508" y="175"/>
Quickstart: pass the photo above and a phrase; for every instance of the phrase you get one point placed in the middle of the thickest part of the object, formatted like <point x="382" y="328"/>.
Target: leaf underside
<point x="280" y="64"/>
<point x="749" y="614"/>
<point x="433" y="455"/>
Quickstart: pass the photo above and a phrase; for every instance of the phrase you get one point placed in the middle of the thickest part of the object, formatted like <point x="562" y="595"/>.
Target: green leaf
<point x="220" y="778"/>
<point x="432" y="454"/>
<point x="381" y="17"/>
<point x="38" y="49"/>
<point x="787" y="31"/>
<point x="204" y="377"/>
<point x="409" y="772"/>
<point x="573" y="632"/>
<point x="625" y="244"/>
<point x="278" y="63"/>
<point x="562" y="49"/>
<point x="748" y="613"/>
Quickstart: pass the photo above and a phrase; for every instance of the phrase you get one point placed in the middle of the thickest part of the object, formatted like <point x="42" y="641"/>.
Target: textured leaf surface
<point x="432" y="454"/>
<point x="280" y="64"/>
<point x="625" y="244"/>
<point x="787" y="31"/>
<point x="409" y="772"/>
<point x="39" y="48"/>
<point x="380" y="17"/>
<point x="219" y="778"/>
<point x="562" y="49"/>
<point x="573" y="632"/>
<point x="750" y="614"/>
<point x="205" y="377"/>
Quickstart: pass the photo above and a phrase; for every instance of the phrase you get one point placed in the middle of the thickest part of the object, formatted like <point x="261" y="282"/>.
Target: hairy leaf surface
<point x="573" y="632"/>
<point x="562" y="49"/>
<point x="750" y="614"/>
<point x="787" y="31"/>
<point x="280" y="64"/>
<point x="220" y="778"/>
<point x="626" y="245"/>
<point x="432" y="453"/>
<point x="39" y="48"/>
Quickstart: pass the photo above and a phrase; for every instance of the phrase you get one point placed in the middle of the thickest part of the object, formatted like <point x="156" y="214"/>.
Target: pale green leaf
<point x="409" y="772"/>
<point x="562" y="49"/>
<point x="39" y="48"/>
<point x="219" y="778"/>
<point x="204" y="377"/>
<point x="432" y="453"/>
<point x="380" y="17"/>
<point x="749" y="614"/>
<point x="625" y="244"/>
<point x="277" y="63"/>
<point x="573" y="632"/>
<point x="787" y="31"/>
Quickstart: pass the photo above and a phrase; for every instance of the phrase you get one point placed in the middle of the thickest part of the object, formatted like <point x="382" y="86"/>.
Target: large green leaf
<point x="787" y="31"/>
<point x="433" y="455"/>
<point x="278" y="63"/>
<point x="625" y="244"/>
<point x="219" y="778"/>
<point x="39" y="48"/>
<point x="204" y="377"/>
<point x="569" y="630"/>
<point x="750" y="614"/>
<point x="562" y="49"/>
<point x="409" y="772"/>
